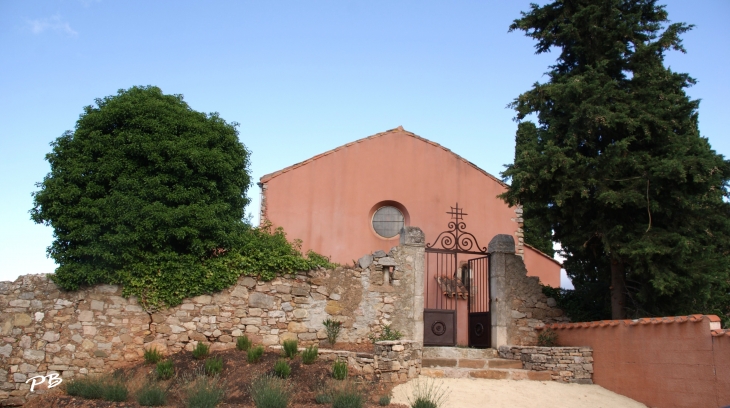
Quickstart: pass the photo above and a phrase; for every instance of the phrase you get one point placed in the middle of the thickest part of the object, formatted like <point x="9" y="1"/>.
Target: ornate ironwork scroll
<point x="456" y="239"/>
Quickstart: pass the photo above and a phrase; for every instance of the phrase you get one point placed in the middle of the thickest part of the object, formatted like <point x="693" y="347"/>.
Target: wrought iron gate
<point x="447" y="282"/>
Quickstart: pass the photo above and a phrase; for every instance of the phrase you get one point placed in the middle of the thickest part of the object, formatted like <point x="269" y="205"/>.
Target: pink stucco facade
<point x="328" y="201"/>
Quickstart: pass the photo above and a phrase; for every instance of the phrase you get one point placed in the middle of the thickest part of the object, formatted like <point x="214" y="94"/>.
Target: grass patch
<point x="347" y="395"/>
<point x="243" y="343"/>
<point x="201" y="351"/>
<point x="339" y="370"/>
<point x="165" y="370"/>
<point x="204" y="392"/>
<point x="384" y="401"/>
<point x="151" y="395"/>
<point x="270" y="392"/>
<point x="255" y="354"/>
<point x="309" y="355"/>
<point x="428" y="394"/>
<point x="282" y="369"/>
<point x="152" y="356"/>
<point x="213" y="366"/>
<point x="291" y="348"/>
<point x="104" y="387"/>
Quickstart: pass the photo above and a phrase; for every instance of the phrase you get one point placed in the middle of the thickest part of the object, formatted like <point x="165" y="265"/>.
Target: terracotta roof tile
<point x="277" y="173"/>
<point x="714" y="321"/>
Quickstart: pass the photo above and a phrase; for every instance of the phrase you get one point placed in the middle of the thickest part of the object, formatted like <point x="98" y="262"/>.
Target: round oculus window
<point x="387" y="221"/>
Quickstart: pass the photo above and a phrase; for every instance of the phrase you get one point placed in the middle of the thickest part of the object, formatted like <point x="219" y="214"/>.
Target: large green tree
<point x="615" y="166"/>
<point x="150" y="194"/>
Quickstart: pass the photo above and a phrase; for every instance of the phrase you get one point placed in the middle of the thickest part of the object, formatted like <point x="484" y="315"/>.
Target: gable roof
<point x="400" y="129"/>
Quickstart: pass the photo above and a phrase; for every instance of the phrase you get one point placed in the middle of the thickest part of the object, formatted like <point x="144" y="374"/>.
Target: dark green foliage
<point x="204" y="392"/>
<point x="323" y="398"/>
<point x="282" y="369"/>
<point x="428" y="393"/>
<point x="152" y="356"/>
<point x="290" y="348"/>
<point x="201" y="351"/>
<point x="615" y="166"/>
<point x="384" y="401"/>
<point x="589" y="301"/>
<point x="423" y="403"/>
<point x="254" y="354"/>
<point x="309" y="355"/>
<point x="270" y="392"/>
<point x="213" y="365"/>
<point x="332" y="327"/>
<point x="387" y="334"/>
<point x="165" y="370"/>
<point x="347" y="395"/>
<point x="547" y="338"/>
<point x="151" y="395"/>
<point x="243" y="343"/>
<point x="339" y="370"/>
<point x="107" y="388"/>
<point x="115" y="392"/>
<point x="150" y="194"/>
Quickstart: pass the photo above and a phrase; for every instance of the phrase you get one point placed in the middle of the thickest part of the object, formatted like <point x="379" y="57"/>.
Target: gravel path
<point x="478" y="393"/>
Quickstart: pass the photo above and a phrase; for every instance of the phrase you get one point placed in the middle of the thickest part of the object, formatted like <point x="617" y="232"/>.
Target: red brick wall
<point x="661" y="362"/>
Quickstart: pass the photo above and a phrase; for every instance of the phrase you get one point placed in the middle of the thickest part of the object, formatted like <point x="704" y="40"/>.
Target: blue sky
<point x="300" y="78"/>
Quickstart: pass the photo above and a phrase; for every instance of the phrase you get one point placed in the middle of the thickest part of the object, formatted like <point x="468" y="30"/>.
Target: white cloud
<point x="53" y="23"/>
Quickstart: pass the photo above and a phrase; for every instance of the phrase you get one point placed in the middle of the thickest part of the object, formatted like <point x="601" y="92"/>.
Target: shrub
<point x="151" y="395"/>
<point x="387" y="334"/>
<point x="309" y="355"/>
<point x="204" y="392"/>
<point x="291" y="348"/>
<point x="152" y="356"/>
<point x="339" y="370"/>
<point x="254" y="354"/>
<point x="384" y="401"/>
<point x="428" y="394"/>
<point x="323" y="398"/>
<point x="243" y="343"/>
<point x="115" y="391"/>
<point x="269" y="392"/>
<point x="282" y="369"/>
<point x="332" y="327"/>
<point x="213" y="366"/>
<point x="201" y="351"/>
<point x="106" y="388"/>
<point x="347" y="396"/>
<point x="547" y="338"/>
<point x="165" y="370"/>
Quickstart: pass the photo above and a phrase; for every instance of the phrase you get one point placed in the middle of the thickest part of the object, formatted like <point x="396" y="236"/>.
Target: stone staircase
<point x="457" y="362"/>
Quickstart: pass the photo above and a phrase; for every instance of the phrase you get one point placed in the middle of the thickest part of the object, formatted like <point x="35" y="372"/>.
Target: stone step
<point x="472" y="363"/>
<point x="459" y="352"/>
<point x="490" y="373"/>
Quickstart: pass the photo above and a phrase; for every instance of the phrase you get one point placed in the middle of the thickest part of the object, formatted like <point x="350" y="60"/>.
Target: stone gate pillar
<point x="500" y="247"/>
<point x="413" y="243"/>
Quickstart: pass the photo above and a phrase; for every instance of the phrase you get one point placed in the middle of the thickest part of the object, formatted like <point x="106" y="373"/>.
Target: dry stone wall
<point x="565" y="364"/>
<point x="45" y="330"/>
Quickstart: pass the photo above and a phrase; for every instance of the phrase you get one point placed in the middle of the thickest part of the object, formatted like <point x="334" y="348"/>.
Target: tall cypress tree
<point x="616" y="165"/>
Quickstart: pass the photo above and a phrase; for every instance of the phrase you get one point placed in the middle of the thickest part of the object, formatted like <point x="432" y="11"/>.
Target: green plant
<point x="309" y="355"/>
<point x="151" y="395"/>
<point x="347" y="395"/>
<point x="152" y="356"/>
<point x="201" y="351"/>
<point x="165" y="370"/>
<point x="243" y="343"/>
<point x="427" y="393"/>
<point x="282" y="369"/>
<point x="214" y="366"/>
<point x="547" y="338"/>
<point x="339" y="370"/>
<point x="115" y="391"/>
<point x="85" y="387"/>
<point x="323" y="398"/>
<point x="384" y="401"/>
<point x="386" y="334"/>
<point x="269" y="392"/>
<point x="291" y="348"/>
<point x="254" y="354"/>
<point x="204" y="392"/>
<point x="332" y="327"/>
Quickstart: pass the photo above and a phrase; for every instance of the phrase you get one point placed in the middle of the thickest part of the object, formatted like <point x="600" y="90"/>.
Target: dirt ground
<point x="481" y="393"/>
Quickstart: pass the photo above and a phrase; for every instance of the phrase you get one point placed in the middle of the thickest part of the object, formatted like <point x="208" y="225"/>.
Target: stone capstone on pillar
<point x="502" y="243"/>
<point x="412" y="236"/>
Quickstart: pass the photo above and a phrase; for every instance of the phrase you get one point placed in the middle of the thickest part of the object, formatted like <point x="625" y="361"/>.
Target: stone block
<point x="258" y="299"/>
<point x="387" y="261"/>
<point x="365" y="261"/>
<point x="502" y="243"/>
<point x="333" y="307"/>
<point x="490" y="374"/>
<point x="21" y="320"/>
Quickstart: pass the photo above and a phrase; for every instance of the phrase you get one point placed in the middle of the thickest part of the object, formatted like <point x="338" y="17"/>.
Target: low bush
<point x="339" y="370"/>
<point x="547" y="338"/>
<point x="428" y="394"/>
<point x="243" y="343"/>
<point x="115" y="391"/>
<point x="269" y="392"/>
<point x="201" y="351"/>
<point x="152" y="356"/>
<point x="387" y="334"/>
<point x="106" y="388"/>
<point x="213" y="366"/>
<point x="291" y="348"/>
<point x="282" y="369"/>
<point x="151" y="395"/>
<point x="323" y="398"/>
<point x="255" y="354"/>
<point x="332" y="327"/>
<point x="204" y="392"/>
<point x="165" y="370"/>
<point x="309" y="355"/>
<point x="347" y="396"/>
<point x="384" y="401"/>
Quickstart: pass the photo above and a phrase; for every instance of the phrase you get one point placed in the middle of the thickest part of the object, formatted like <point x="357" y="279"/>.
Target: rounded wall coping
<point x="713" y="320"/>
